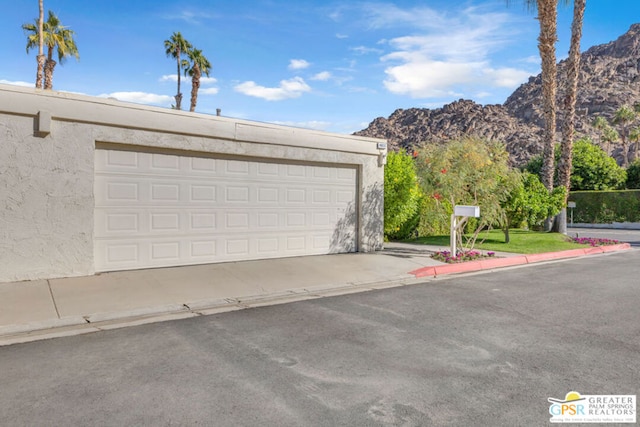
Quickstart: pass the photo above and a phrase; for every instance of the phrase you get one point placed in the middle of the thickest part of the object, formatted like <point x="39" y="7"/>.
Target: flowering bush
<point x="446" y="256"/>
<point x="593" y="241"/>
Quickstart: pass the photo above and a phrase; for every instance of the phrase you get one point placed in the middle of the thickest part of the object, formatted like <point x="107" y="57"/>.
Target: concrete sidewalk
<point x="41" y="309"/>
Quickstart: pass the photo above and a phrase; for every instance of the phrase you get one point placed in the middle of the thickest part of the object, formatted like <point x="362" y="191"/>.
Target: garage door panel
<point x="203" y="249"/>
<point x="346" y="174"/>
<point x="121" y="222"/>
<point x="203" y="221"/>
<point x="165" y="251"/>
<point x="156" y="210"/>
<point x="235" y="194"/>
<point x="266" y="170"/>
<point x="205" y="193"/>
<point x="237" y="167"/>
<point x="121" y="255"/>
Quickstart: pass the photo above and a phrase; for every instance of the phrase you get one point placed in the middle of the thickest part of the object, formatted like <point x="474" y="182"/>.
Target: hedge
<point x="605" y="207"/>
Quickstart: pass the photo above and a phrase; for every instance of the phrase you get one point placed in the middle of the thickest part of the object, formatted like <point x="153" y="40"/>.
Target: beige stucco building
<point x="91" y="184"/>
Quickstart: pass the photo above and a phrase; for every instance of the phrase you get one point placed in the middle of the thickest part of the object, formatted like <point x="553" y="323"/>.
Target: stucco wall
<point x="46" y="169"/>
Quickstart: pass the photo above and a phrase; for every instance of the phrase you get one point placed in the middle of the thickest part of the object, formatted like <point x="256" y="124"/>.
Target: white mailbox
<point x="464" y="211"/>
<point x="461" y="210"/>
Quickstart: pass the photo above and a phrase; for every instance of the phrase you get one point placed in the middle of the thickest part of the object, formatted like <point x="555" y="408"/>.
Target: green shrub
<point x="530" y="203"/>
<point x="592" y="168"/>
<point x="603" y="207"/>
<point x="401" y="193"/>
<point x="434" y="218"/>
<point x="633" y="175"/>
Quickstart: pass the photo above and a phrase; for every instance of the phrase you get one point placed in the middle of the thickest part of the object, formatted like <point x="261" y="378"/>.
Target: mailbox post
<point x="571" y="205"/>
<point x="463" y="212"/>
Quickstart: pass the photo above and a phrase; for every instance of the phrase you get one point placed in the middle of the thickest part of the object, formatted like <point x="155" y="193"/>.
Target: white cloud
<point x="449" y="55"/>
<point x="140" y="98"/>
<point x="18" y="83"/>
<point x="298" y="64"/>
<point x="336" y="15"/>
<point x="421" y="77"/>
<point x="208" y="91"/>
<point x="169" y="78"/>
<point x="482" y="94"/>
<point x="341" y="36"/>
<point x="208" y="80"/>
<point x="533" y="59"/>
<point x="322" y="76"/>
<point x="204" y="80"/>
<point x="363" y="50"/>
<point x="292" y="88"/>
<point x="506" y="77"/>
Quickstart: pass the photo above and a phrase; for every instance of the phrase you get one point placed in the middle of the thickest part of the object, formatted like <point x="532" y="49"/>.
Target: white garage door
<point x="157" y="210"/>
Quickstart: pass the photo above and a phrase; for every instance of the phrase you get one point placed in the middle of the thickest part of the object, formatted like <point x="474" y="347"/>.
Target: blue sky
<point x="325" y="65"/>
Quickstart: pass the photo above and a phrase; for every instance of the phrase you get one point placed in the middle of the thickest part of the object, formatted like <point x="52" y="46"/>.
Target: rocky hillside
<point x="609" y="78"/>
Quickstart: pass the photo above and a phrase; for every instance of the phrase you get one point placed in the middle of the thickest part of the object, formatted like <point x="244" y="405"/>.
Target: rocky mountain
<point x="609" y="78"/>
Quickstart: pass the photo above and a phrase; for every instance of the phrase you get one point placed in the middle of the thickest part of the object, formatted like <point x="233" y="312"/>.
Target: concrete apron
<point x="43" y="309"/>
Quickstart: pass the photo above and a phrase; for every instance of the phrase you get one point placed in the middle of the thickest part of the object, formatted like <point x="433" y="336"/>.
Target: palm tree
<point x="547" y="18"/>
<point x="624" y="116"/>
<point x="175" y="47"/>
<point x="55" y="36"/>
<point x="601" y="124"/>
<point x="609" y="135"/>
<point x="568" y="125"/>
<point x="199" y="65"/>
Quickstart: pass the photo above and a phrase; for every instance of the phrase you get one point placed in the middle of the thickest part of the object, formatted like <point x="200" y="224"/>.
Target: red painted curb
<point x="461" y="267"/>
<point x="489" y="263"/>
<point x="593" y="250"/>
<point x="547" y="256"/>
<point x="424" y="272"/>
<point x="618" y="247"/>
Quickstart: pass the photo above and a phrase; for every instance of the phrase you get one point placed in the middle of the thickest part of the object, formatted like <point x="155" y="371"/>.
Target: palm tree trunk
<point x="547" y="11"/>
<point x="546" y="45"/>
<point x="178" y="95"/>
<point x="625" y="152"/>
<point x="49" y="65"/>
<point x="40" y="73"/>
<point x="40" y="58"/>
<point x="568" y="126"/>
<point x="195" y="86"/>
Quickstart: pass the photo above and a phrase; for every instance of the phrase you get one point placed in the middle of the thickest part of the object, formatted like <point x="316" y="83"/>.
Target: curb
<point x="488" y="264"/>
<point x="96" y="322"/>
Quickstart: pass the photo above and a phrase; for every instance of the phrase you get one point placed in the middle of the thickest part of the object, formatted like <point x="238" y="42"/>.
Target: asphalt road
<point x="478" y="350"/>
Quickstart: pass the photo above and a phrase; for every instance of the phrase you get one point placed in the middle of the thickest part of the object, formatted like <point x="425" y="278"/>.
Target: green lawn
<point x="523" y="242"/>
